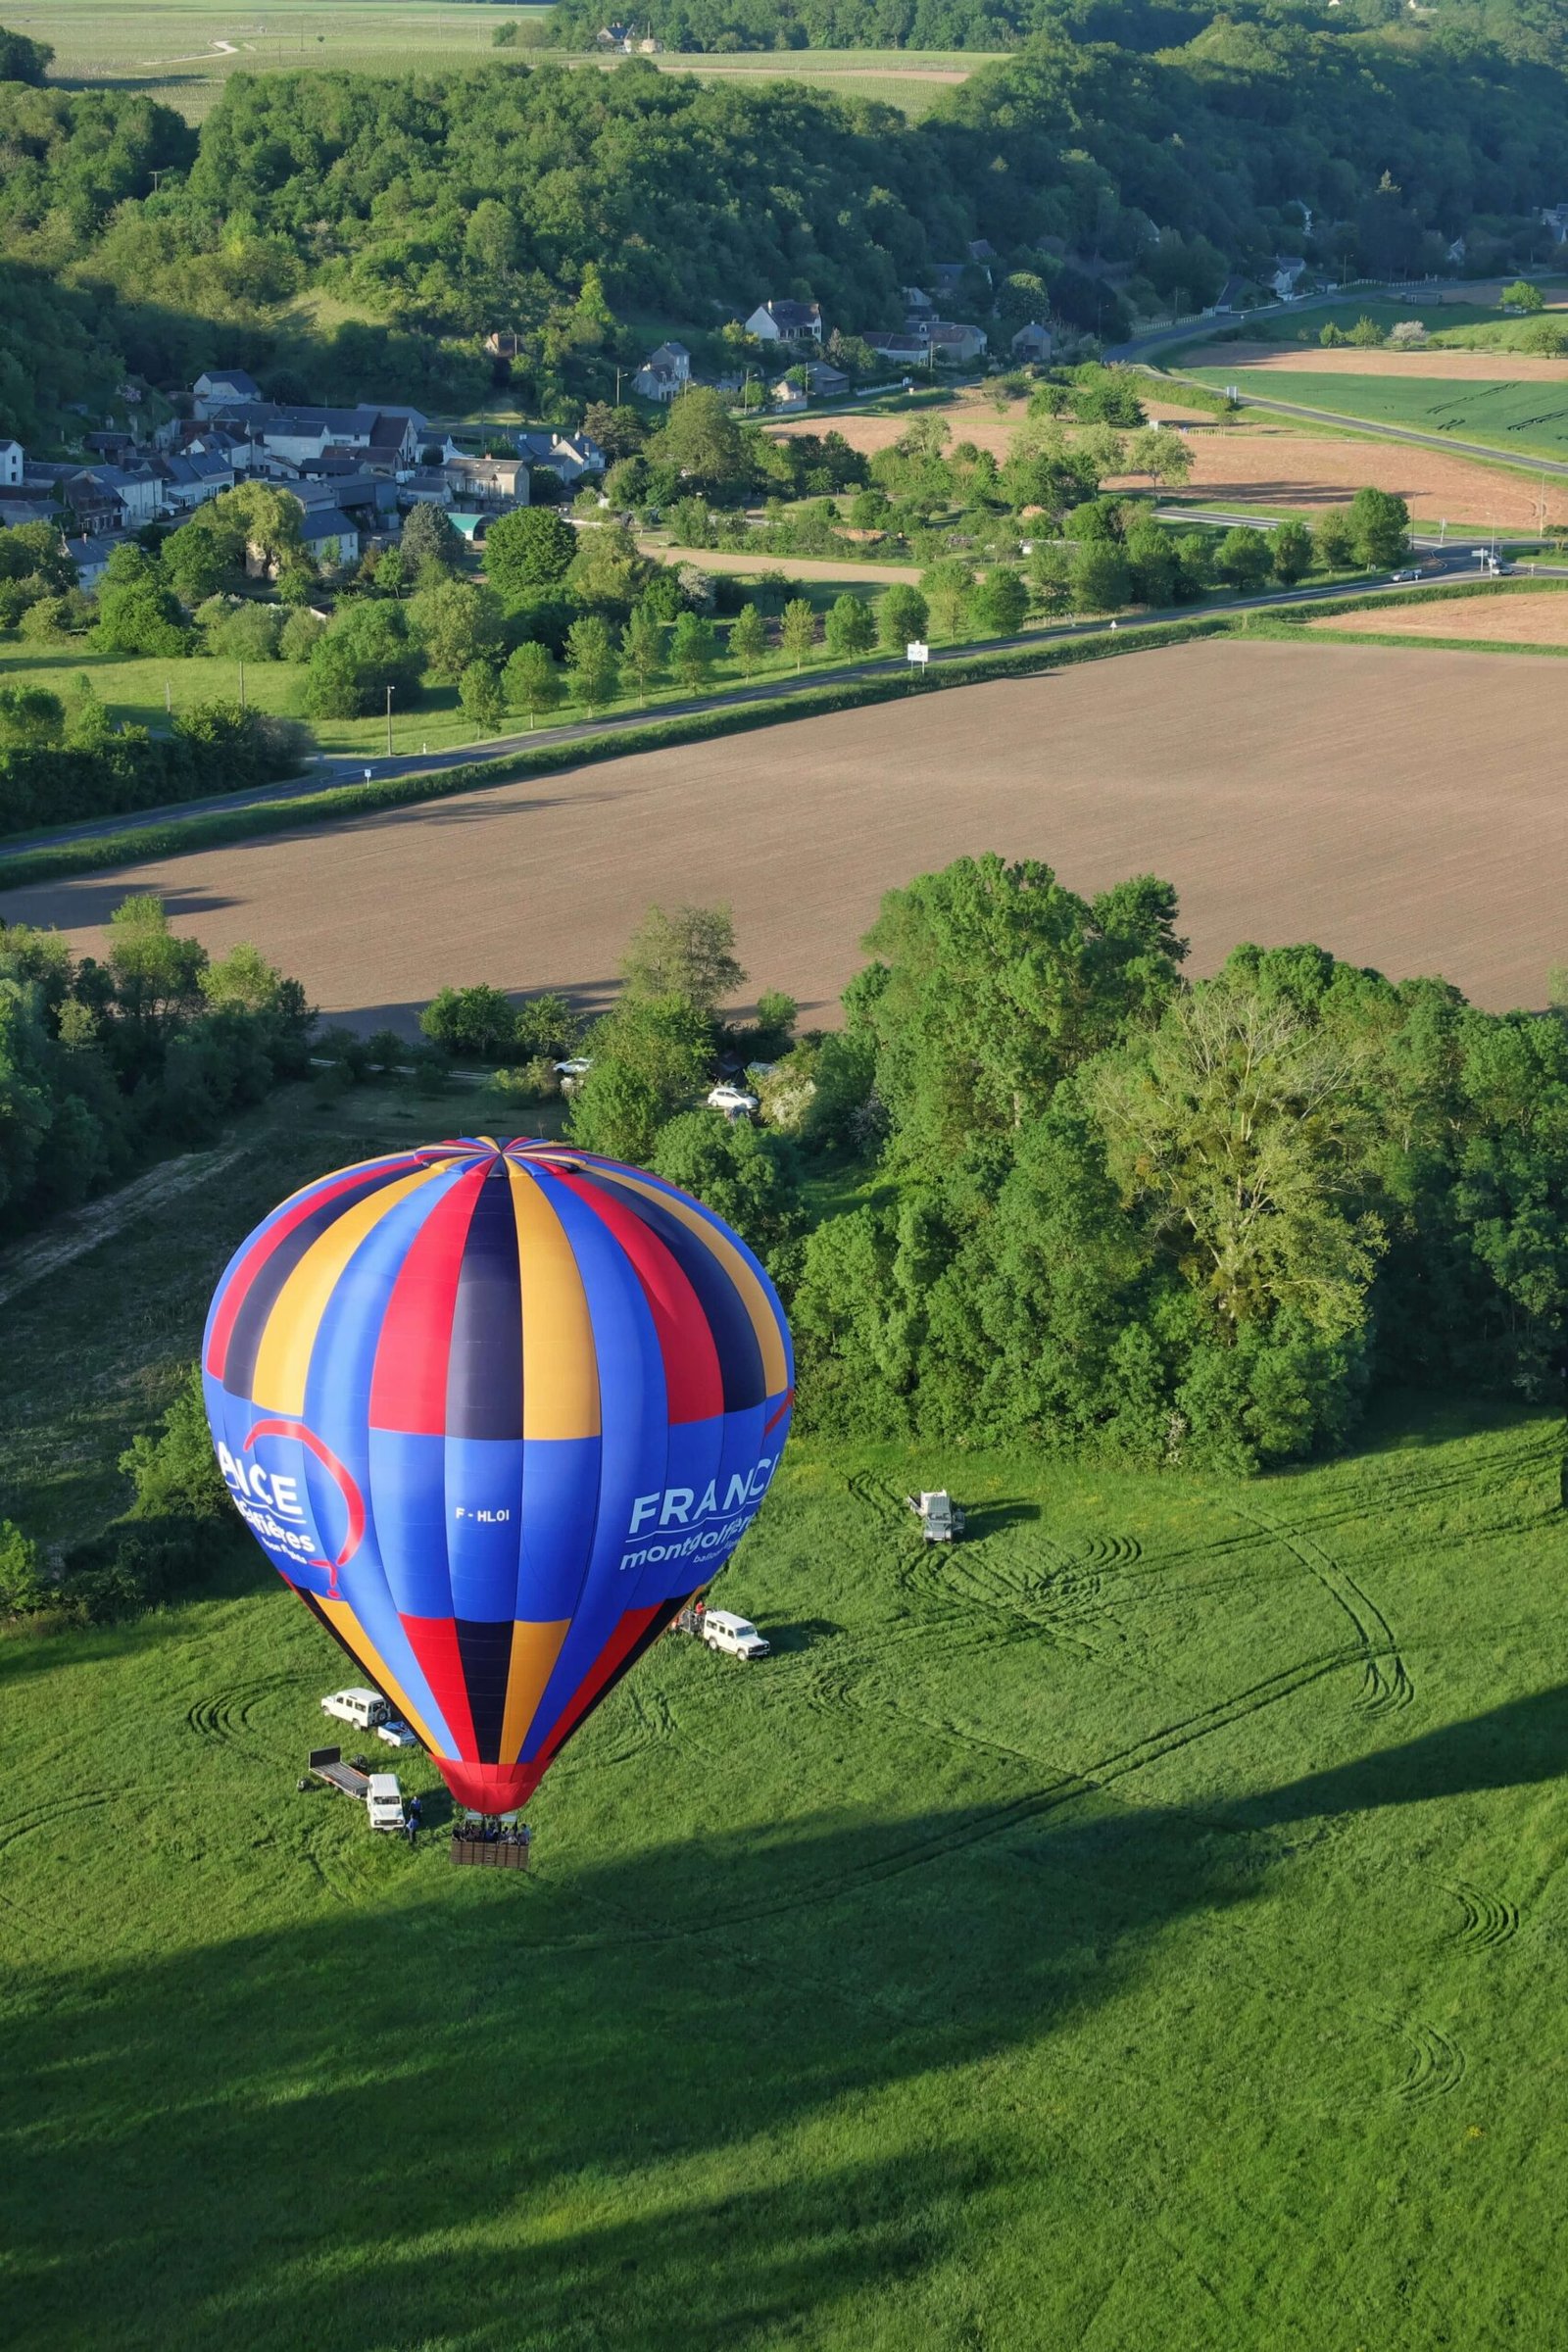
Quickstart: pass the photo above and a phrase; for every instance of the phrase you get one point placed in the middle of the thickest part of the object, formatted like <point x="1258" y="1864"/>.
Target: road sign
<point x="919" y="654"/>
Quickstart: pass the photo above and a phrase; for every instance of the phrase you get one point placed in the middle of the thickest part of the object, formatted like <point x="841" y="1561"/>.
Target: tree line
<point x="564" y="205"/>
<point x="1108" y="1208"/>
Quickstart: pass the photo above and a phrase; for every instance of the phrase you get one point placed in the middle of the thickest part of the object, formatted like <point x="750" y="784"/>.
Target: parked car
<point x="1397" y="576"/>
<point x="735" y="1636"/>
<point x="396" y="1734"/>
<point x="386" y="1801"/>
<point x="365" y="1709"/>
<point x="733" y="1101"/>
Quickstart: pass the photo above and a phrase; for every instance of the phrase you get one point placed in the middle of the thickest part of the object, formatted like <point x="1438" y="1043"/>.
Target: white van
<point x="736" y="1637"/>
<point x="365" y="1709"/>
<point x="385" y="1800"/>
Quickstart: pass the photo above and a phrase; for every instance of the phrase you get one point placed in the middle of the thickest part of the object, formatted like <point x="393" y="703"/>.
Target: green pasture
<point x="1138" y="1927"/>
<point x="184" y="51"/>
<point x="1518" y="419"/>
<point x="911" y="80"/>
<point x="181" y="52"/>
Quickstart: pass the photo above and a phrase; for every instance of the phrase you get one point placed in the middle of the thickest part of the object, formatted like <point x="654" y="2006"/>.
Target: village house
<point x="957" y="342"/>
<point x="822" y="382"/>
<point x="665" y="372"/>
<point x="786" y="322"/>
<point x="480" y="482"/>
<point x="222" y="388"/>
<point x="13" y="463"/>
<point x="571" y="455"/>
<point x="1032" y="342"/>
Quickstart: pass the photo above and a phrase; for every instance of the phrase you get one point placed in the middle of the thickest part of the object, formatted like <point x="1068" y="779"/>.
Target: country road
<point x="327" y="773"/>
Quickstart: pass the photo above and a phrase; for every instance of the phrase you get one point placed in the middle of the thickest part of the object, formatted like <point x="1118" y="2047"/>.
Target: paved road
<point x="1450" y="563"/>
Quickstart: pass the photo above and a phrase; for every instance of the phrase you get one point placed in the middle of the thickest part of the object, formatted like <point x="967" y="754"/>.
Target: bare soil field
<point x="1262" y="465"/>
<point x="1505" y="620"/>
<point x="1400" y="806"/>
<point x="1463" y="367"/>
<point x="1268" y="466"/>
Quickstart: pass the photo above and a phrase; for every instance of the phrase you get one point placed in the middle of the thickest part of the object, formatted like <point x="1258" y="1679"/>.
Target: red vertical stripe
<point x="409" y="1386"/>
<point x="261" y="1250"/>
<point x="434" y="1642"/>
<point x="626" y="1635"/>
<point x="694" y="1385"/>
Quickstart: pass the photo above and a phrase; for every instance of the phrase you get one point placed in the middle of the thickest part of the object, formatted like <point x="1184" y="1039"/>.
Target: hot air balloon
<point x="496" y="1412"/>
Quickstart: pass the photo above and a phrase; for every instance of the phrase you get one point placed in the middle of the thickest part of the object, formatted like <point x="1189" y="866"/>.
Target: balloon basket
<point x="490" y="1845"/>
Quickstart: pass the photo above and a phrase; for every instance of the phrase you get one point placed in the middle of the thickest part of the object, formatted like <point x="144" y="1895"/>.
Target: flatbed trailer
<point x="327" y="1764"/>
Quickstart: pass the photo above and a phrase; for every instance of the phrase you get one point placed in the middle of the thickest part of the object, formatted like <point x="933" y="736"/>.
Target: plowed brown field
<point x="1404" y="808"/>
<point x="1504" y="620"/>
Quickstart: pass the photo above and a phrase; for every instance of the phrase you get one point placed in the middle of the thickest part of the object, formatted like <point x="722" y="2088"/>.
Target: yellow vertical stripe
<point x="534" y="1651"/>
<point x="559" y="1362"/>
<point x="775" y="1370"/>
<point x="348" y="1627"/>
<point x="283" y="1359"/>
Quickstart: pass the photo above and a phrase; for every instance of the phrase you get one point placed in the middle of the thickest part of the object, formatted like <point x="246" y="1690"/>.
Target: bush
<point x="23" y="1588"/>
<point x="249" y="632"/>
<point x="174" y="1472"/>
<point x="477" y="1023"/>
<point x="365" y="651"/>
<point x="536" y="1081"/>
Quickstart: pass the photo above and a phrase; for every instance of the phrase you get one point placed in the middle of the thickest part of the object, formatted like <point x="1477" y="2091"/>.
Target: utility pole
<point x="242" y="685"/>
<point x="389" y="722"/>
<point x="167" y="701"/>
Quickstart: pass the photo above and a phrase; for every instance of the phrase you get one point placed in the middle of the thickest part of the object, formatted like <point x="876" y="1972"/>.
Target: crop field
<point x="1438" y="360"/>
<point x="1289" y="791"/>
<point x="1137" y="1926"/>
<point x="911" y="80"/>
<point x="1520" y="419"/>
<point x="181" y="52"/>
<point x="1275" y="466"/>
<point x="1505" y="621"/>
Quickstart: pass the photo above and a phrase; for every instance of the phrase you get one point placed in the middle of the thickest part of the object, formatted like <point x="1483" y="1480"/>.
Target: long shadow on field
<point x="1523" y="1742"/>
<point x="629" y="2103"/>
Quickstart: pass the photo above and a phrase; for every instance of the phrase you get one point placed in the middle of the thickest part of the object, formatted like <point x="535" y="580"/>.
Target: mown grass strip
<point x="172" y="836"/>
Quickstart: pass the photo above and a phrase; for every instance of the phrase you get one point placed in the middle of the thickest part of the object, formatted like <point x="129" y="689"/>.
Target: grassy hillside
<point x="1134" y="1926"/>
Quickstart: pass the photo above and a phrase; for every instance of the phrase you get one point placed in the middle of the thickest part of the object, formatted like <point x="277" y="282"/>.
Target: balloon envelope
<point x="496" y="1412"/>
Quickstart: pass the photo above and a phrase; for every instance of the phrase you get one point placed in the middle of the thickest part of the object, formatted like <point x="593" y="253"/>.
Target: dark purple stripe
<point x="484" y="1367"/>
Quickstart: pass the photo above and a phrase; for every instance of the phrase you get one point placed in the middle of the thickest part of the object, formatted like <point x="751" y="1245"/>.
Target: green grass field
<point x="1136" y="1928"/>
<point x="184" y="51"/>
<point x="1517" y="420"/>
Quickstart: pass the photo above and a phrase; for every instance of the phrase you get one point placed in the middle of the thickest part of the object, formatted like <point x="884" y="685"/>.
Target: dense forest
<point x="1109" y="1207"/>
<point x="1522" y="28"/>
<point x="583" y="208"/>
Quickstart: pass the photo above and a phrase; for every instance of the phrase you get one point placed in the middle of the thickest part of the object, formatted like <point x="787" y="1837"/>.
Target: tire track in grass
<point x="1386" y="1684"/>
<point x="1489" y="1920"/>
<point x="1438" y="2065"/>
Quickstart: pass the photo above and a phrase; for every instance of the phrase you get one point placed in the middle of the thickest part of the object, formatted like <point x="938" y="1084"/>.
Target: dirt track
<point x="1400" y="806"/>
